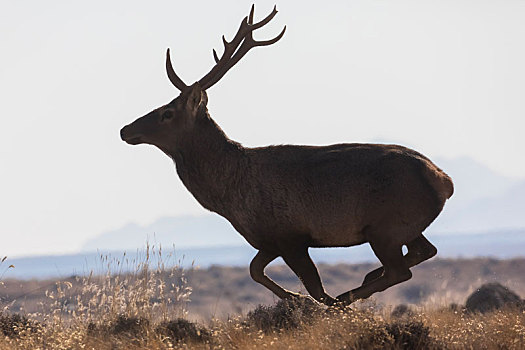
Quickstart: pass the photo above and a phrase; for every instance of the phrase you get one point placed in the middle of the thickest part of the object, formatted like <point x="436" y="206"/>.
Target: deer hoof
<point x="346" y="298"/>
<point x="302" y="299"/>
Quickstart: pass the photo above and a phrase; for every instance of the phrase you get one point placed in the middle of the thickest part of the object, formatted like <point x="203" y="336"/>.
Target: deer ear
<point x="196" y="99"/>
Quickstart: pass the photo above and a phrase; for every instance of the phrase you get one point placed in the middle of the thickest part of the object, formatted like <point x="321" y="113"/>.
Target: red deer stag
<point x="285" y="199"/>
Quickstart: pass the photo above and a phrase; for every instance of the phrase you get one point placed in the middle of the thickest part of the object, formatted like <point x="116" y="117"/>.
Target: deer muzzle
<point x="130" y="136"/>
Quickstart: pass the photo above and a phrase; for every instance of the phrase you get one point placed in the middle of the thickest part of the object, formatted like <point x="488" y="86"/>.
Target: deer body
<point x="285" y="199"/>
<point x="282" y="196"/>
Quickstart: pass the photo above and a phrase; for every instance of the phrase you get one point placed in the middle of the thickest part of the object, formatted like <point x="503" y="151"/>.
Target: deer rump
<point x="327" y="196"/>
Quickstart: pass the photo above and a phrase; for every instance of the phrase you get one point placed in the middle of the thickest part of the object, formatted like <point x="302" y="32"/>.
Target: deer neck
<point x="210" y="165"/>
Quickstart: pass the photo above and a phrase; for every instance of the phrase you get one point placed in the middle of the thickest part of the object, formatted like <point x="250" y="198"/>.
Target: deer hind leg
<point x="303" y="266"/>
<point x="419" y="250"/>
<point x="259" y="262"/>
<point x="395" y="271"/>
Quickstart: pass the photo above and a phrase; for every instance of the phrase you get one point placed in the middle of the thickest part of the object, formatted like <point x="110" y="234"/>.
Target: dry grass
<point x="147" y="309"/>
<point x="220" y="291"/>
<point x="360" y="328"/>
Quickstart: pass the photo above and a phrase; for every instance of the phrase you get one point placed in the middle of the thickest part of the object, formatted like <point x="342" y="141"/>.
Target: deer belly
<point x="337" y="238"/>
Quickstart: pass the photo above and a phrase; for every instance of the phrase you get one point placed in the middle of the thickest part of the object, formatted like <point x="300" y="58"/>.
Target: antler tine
<point x="229" y="47"/>
<point x="238" y="47"/>
<point x="174" y="78"/>
<point x="247" y="44"/>
<point x="226" y="43"/>
<point x="250" y="17"/>
<point x="271" y="41"/>
<point x="263" y="21"/>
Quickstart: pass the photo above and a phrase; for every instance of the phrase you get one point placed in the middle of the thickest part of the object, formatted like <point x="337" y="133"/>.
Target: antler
<point x="233" y="52"/>
<point x="174" y="78"/>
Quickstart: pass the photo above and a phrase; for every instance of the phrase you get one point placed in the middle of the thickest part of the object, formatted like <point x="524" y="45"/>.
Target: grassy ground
<point x="283" y="326"/>
<point x="220" y="291"/>
<point x="148" y="309"/>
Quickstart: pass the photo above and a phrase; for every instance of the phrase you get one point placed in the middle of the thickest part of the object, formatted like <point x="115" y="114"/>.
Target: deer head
<point x="175" y="120"/>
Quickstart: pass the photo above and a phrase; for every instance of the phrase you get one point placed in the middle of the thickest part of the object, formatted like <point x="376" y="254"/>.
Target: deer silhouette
<point x="285" y="199"/>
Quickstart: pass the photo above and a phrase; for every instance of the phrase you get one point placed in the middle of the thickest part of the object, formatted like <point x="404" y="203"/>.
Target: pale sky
<point x="445" y="77"/>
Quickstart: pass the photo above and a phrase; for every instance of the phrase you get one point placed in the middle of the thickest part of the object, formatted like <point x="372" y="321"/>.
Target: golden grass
<point x="350" y="329"/>
<point x="145" y="309"/>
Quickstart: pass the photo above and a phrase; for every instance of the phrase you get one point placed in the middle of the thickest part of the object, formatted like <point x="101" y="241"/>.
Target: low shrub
<point x="286" y="314"/>
<point x="12" y="325"/>
<point x="181" y="329"/>
<point x="409" y="334"/>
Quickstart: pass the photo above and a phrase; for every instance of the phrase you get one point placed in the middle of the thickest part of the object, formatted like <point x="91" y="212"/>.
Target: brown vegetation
<point x="220" y="291"/>
<point x="292" y="325"/>
<point x="149" y="309"/>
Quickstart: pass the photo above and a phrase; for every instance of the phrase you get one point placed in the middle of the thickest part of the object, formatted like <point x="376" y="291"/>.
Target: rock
<point x="492" y="296"/>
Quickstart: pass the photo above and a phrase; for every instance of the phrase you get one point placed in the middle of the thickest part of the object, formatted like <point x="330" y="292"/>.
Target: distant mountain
<point x="502" y="211"/>
<point x="497" y="244"/>
<point x="483" y="201"/>
<point x="183" y="232"/>
<point x="473" y="180"/>
<point x="475" y="223"/>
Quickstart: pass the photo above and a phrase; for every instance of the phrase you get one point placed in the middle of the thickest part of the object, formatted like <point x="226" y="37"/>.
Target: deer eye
<point x="166" y="115"/>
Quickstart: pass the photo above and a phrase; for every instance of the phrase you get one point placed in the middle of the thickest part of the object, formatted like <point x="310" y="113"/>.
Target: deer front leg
<point x="303" y="266"/>
<point x="259" y="262"/>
